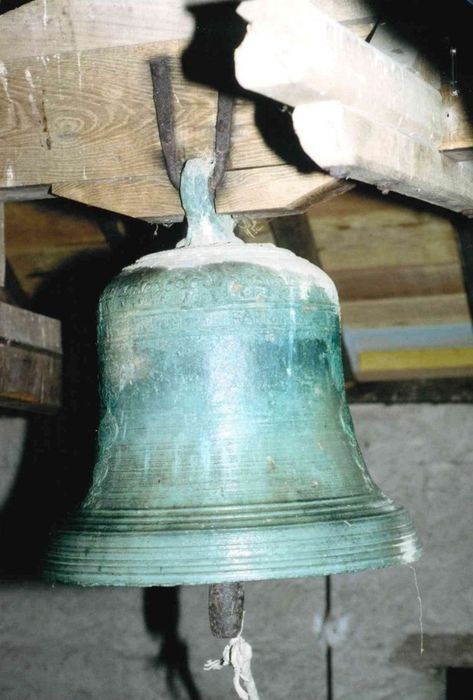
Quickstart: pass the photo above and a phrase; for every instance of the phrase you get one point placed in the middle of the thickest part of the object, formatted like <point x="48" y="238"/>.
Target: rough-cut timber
<point x="358" y="112"/>
<point x="303" y="56"/>
<point x="259" y="192"/>
<point x="54" y="26"/>
<point x="30" y="360"/>
<point x="68" y="121"/>
<point x="348" y="144"/>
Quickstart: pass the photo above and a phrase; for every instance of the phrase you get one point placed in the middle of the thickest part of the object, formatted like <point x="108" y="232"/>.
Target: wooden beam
<point x="30" y="360"/>
<point x="304" y="56"/>
<point x="257" y="192"/>
<point x="25" y="194"/>
<point x="358" y="113"/>
<point x="54" y="26"/>
<point x="25" y="328"/>
<point x="68" y="121"/>
<point x="350" y="145"/>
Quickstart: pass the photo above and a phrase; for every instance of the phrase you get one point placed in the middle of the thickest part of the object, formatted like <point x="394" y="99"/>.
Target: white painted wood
<point x="349" y="145"/>
<point x="304" y="55"/>
<point x="55" y="26"/>
<point x="345" y="10"/>
<point x="402" y="51"/>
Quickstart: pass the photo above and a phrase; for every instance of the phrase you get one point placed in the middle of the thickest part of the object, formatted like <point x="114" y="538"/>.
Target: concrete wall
<point x="59" y="643"/>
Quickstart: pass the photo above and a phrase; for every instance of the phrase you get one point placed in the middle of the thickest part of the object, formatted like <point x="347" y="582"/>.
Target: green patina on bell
<point x="226" y="448"/>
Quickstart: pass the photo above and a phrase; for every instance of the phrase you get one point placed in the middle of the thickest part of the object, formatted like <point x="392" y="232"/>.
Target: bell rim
<point x="216" y="556"/>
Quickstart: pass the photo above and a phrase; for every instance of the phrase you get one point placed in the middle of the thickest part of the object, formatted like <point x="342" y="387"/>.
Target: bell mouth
<point x="114" y="549"/>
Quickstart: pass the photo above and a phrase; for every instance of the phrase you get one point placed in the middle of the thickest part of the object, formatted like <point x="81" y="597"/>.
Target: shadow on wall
<point x="59" y="451"/>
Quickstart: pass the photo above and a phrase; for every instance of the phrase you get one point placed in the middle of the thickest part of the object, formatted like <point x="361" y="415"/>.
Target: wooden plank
<point x="24" y="194"/>
<point x="2" y="245"/>
<point x="464" y="232"/>
<point x="37" y="227"/>
<point x="29" y="380"/>
<point x="406" y="311"/>
<point x="302" y="56"/>
<point x="255" y="192"/>
<point x="25" y="328"/>
<point x="380" y="239"/>
<point x="457" y="142"/>
<point x="30" y="360"/>
<point x="41" y="235"/>
<point x="275" y="190"/>
<point x="55" y="26"/>
<point x="350" y="145"/>
<point x="393" y="281"/>
<point x="384" y="364"/>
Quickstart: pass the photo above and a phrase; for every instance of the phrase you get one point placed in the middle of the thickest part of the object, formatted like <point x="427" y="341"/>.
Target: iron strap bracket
<point x="163" y="97"/>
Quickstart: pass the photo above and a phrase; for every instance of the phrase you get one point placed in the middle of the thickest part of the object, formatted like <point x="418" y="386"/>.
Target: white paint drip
<point x="79" y="70"/>
<point x="57" y="56"/>
<point x="45" y="13"/>
<point x="29" y="78"/>
<point x="266" y="255"/>
<point x="34" y="109"/>
<point x="4" y="82"/>
<point x="10" y="175"/>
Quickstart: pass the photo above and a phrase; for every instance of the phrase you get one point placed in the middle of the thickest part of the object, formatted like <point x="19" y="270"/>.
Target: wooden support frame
<point x="358" y="113"/>
<point x="84" y="123"/>
<point x="30" y="360"/>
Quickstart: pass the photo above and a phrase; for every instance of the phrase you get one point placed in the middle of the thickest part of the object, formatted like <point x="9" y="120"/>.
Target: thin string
<point x="419" y="599"/>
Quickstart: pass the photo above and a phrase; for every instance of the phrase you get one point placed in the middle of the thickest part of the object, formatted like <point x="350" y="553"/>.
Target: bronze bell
<point x="226" y="449"/>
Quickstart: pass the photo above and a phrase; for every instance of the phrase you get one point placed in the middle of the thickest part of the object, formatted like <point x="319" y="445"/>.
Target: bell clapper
<point x="226" y="614"/>
<point x="226" y="609"/>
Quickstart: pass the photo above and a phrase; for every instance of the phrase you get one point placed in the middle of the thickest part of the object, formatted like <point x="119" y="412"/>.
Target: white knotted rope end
<point x="237" y="653"/>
